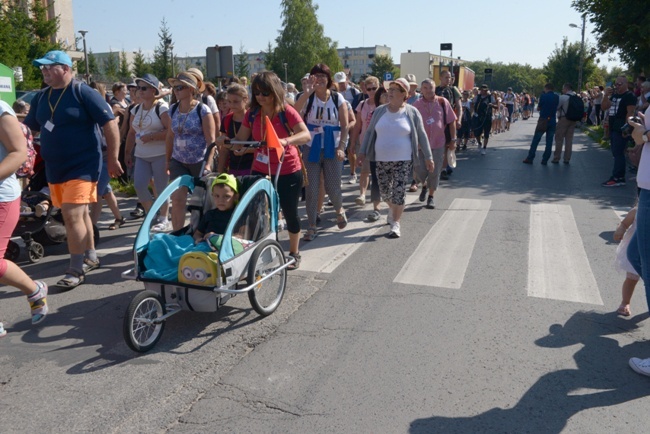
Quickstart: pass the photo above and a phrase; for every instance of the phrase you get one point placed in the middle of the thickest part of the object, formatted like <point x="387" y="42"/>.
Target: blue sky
<point x="507" y="31"/>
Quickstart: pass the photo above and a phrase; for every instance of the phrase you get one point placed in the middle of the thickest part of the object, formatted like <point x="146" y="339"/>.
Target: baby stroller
<point x="249" y="260"/>
<point x="38" y="230"/>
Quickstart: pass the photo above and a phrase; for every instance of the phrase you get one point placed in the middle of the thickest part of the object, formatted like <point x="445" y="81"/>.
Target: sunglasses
<point x="396" y="89"/>
<point x="370" y="89"/>
<point x="259" y="92"/>
<point x="179" y="87"/>
<point x="48" y="67"/>
<point x="144" y="88"/>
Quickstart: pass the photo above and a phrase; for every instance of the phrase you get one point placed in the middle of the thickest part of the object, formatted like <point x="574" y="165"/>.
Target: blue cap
<point x="53" y="57"/>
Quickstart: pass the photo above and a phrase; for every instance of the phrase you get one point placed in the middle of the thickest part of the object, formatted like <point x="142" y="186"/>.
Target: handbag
<point x="542" y="125"/>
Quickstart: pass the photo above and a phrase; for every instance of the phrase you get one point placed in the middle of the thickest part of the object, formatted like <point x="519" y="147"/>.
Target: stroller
<point x="40" y="230"/>
<point x="249" y="260"/>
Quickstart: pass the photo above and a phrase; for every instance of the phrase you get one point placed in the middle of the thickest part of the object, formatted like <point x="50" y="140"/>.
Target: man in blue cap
<point x="68" y="113"/>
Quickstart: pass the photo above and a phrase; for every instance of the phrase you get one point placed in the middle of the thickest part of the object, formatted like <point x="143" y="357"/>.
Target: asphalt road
<point x="509" y="328"/>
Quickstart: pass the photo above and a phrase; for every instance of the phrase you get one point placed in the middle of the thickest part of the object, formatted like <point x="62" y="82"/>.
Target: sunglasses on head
<point x="259" y="92"/>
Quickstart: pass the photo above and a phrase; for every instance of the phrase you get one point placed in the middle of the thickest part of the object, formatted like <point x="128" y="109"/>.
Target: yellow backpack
<point x="200" y="268"/>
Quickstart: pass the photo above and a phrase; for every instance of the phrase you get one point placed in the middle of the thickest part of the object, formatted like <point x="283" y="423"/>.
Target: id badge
<point x="318" y="130"/>
<point x="49" y="126"/>
<point x="430" y="121"/>
<point x="182" y="144"/>
<point x="262" y="158"/>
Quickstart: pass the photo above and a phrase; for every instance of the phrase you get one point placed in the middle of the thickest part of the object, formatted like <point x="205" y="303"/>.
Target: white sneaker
<point x="353" y="179"/>
<point x="640" y="366"/>
<point x="483" y="151"/>
<point x="162" y="226"/>
<point x="361" y="200"/>
<point x="389" y="217"/>
<point x="394" y="230"/>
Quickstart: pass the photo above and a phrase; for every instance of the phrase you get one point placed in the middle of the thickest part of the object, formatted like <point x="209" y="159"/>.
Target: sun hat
<point x="401" y="82"/>
<point x="340" y="77"/>
<point x="411" y="79"/>
<point x="52" y="58"/>
<point x="152" y="81"/>
<point x="227" y="179"/>
<point x="199" y="75"/>
<point x="185" y="79"/>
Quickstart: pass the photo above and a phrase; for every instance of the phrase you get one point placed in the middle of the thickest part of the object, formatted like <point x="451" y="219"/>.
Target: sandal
<point x="90" y="265"/>
<point x="311" y="234"/>
<point x="72" y="279"/>
<point x="624" y="310"/>
<point x="296" y="264"/>
<point x="116" y="224"/>
<point x="341" y="220"/>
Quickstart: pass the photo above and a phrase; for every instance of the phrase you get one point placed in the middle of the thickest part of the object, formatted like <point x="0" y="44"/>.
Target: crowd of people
<point x="397" y="136"/>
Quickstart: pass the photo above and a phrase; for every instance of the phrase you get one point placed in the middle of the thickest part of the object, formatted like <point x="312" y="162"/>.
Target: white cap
<point x="340" y="77"/>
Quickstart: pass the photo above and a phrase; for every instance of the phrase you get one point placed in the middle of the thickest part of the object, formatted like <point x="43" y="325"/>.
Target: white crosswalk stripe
<point x="457" y="230"/>
<point x="558" y="267"/>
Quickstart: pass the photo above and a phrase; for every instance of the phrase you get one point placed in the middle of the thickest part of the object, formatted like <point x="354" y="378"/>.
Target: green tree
<point x="564" y="64"/>
<point x="161" y="65"/>
<point x="301" y="43"/>
<point x="111" y="66"/>
<point x="381" y="64"/>
<point x="25" y="35"/>
<point x="622" y="25"/>
<point x="140" y="64"/>
<point x="242" y="68"/>
<point x="124" y="74"/>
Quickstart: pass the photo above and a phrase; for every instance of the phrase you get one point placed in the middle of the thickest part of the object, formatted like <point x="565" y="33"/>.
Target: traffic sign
<point x="388" y="76"/>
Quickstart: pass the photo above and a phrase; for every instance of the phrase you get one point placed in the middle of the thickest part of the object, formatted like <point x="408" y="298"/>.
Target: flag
<point x="272" y="140"/>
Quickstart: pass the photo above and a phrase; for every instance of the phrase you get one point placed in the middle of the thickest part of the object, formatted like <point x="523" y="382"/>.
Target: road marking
<point x="558" y="267"/>
<point x="333" y="246"/>
<point x="457" y="230"/>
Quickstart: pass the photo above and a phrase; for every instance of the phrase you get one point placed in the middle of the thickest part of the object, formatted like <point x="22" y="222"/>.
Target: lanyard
<point x="52" y="109"/>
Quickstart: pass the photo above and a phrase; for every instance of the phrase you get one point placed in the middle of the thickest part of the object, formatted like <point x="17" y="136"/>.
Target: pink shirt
<point x="434" y="119"/>
<point x="365" y="111"/>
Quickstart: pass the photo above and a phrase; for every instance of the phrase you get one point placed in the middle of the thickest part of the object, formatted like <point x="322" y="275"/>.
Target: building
<point x="428" y="65"/>
<point x="358" y="60"/>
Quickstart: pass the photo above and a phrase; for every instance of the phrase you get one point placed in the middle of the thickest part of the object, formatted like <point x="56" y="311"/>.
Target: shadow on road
<point x="601" y="379"/>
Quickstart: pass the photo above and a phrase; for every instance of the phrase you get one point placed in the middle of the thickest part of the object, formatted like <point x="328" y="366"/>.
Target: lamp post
<point x="169" y="46"/>
<point x="285" y="71"/>
<point x="83" y="36"/>
<point x="582" y="50"/>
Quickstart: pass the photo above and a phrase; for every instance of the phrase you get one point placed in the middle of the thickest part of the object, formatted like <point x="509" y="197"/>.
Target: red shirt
<point x="291" y="162"/>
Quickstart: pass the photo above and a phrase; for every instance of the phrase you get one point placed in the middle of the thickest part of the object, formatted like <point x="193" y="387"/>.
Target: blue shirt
<point x="548" y="103"/>
<point x="71" y="149"/>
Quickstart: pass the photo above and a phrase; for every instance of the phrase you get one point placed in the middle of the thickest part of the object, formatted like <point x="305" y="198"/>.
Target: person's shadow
<point x="602" y="365"/>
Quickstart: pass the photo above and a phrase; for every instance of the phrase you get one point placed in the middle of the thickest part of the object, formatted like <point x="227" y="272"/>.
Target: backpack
<point x="575" y="109"/>
<point x="174" y="107"/>
<point x="283" y="118"/>
<point x="27" y="168"/>
<point x="310" y="102"/>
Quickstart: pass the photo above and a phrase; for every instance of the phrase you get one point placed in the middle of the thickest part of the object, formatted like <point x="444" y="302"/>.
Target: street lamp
<point x="285" y="72"/>
<point x="169" y="46"/>
<point x="582" y="50"/>
<point x="83" y="36"/>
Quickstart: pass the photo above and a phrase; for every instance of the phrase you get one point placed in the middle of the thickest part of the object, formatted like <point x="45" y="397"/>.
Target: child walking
<point x="623" y="233"/>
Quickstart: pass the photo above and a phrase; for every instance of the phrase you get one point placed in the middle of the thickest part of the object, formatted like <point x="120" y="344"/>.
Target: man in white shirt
<point x="348" y="92"/>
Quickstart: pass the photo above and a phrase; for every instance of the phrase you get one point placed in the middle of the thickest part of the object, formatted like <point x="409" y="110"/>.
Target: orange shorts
<point x="76" y="191"/>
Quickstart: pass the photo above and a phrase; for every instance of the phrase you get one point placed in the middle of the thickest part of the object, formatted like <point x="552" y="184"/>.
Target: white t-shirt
<point x="643" y="175"/>
<point x="9" y="187"/>
<point x="212" y="104"/>
<point x="393" y="141"/>
<point x="146" y="122"/>
<point x="324" y="113"/>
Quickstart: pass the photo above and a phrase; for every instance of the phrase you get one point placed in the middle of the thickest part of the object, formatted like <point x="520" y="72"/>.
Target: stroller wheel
<point x="141" y="332"/>
<point x="13" y="251"/>
<point x="267" y="295"/>
<point x="35" y="251"/>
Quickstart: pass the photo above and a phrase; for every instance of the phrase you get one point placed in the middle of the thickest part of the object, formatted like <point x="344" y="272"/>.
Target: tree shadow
<point x="601" y="379"/>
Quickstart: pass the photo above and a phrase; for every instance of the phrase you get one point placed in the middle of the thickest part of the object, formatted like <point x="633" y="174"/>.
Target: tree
<point x="242" y="68"/>
<point x="622" y="25"/>
<point x="124" y="74"/>
<point x="26" y="35"/>
<point x="564" y="64"/>
<point x="161" y="65"/>
<point x="301" y="43"/>
<point x="140" y="64"/>
<point x="381" y="64"/>
<point x="111" y="66"/>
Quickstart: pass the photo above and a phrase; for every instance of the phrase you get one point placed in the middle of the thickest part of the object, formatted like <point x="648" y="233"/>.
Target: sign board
<point x="219" y="62"/>
<point x="7" y="86"/>
<point x="445" y="47"/>
<point x="388" y="76"/>
<point x="488" y="70"/>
